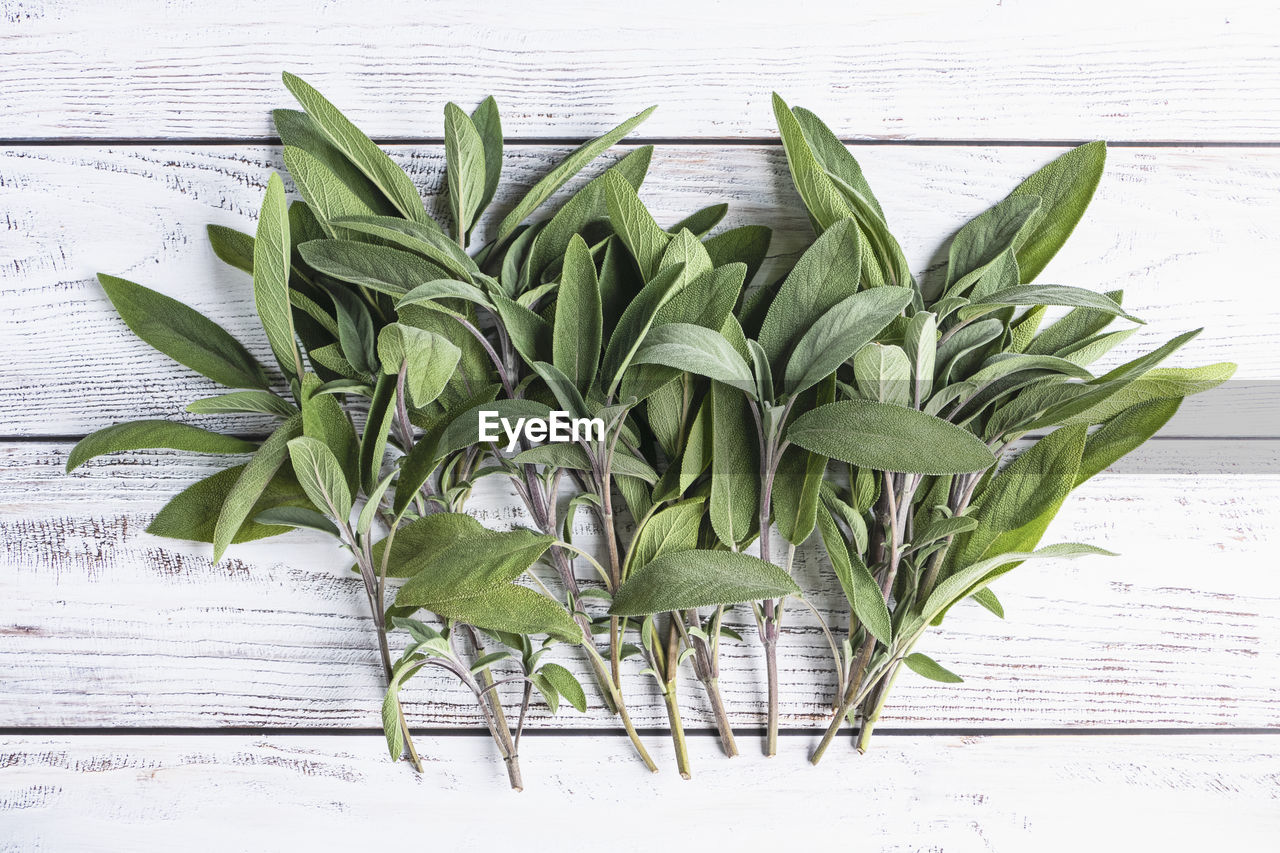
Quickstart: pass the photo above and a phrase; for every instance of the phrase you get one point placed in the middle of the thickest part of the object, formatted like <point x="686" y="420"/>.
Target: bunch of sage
<point x="844" y="398"/>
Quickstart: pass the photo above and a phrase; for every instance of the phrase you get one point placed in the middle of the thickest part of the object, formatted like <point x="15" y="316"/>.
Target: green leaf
<point x="150" y="435"/>
<point x="297" y="516"/>
<point x="798" y="480"/>
<point x="1123" y="433"/>
<point x="359" y="149"/>
<point x="183" y="334"/>
<point x="746" y="244"/>
<point x="324" y="419"/>
<point x="192" y="513"/>
<point x="234" y="248"/>
<point x="985" y="238"/>
<point x="565" y="170"/>
<point x="735" y="467"/>
<point x="889" y="438"/>
<point x="968" y="580"/>
<point x="244" y="495"/>
<point x="826" y="273"/>
<point x="364" y="523"/>
<point x="391" y="721"/>
<point x="464" y="168"/>
<point x="489" y="125"/>
<point x="579" y="323"/>
<point x="586" y="207"/>
<point x="989" y="602"/>
<point x="682" y="580"/>
<point x="321" y="476"/>
<point x="930" y="669"/>
<point x="840" y="332"/>
<point x="426" y="240"/>
<point x="700" y="223"/>
<point x="856" y="580"/>
<point x="379" y="268"/>
<point x="443" y="289"/>
<point x="1064" y="188"/>
<point x="883" y="373"/>
<point x="1077" y="326"/>
<point x="429" y="360"/>
<point x="464" y="430"/>
<point x="920" y="342"/>
<point x="1046" y="294"/>
<point x="635" y="323"/>
<point x="697" y="350"/>
<point x="271" y="254"/>
<point x="262" y="402"/>
<point x="355" y="329"/>
<point x="825" y="203"/>
<point x="666" y="531"/>
<point x="373" y="443"/>
<point x="1038" y="479"/>
<point x="565" y="684"/>
<point x="634" y="224"/>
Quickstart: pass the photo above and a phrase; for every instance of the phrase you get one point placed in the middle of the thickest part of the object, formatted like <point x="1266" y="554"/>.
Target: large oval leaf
<point x="680" y="580"/>
<point x="839" y="333"/>
<point x="889" y="438"/>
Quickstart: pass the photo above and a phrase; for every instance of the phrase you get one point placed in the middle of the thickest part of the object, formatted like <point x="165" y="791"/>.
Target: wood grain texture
<point x="973" y="70"/>
<point x="107" y="626"/>
<point x="1178" y="229"/>
<point x="961" y="795"/>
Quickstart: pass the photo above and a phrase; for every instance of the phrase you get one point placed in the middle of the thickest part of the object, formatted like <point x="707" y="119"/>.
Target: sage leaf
<point x="579" y="323"/>
<point x="359" y="149"/>
<point x="243" y="497"/>
<point x="183" y="334"/>
<point x="930" y="669"/>
<point x="840" y="332"/>
<point x="889" y="438"/>
<point x="681" y="580"/>
<point x="565" y="170"/>
<point x="464" y="168"/>
<point x="320" y="476"/>
<point x="261" y="402"/>
<point x="697" y="350"/>
<point x="429" y="360"/>
<point x="1064" y="188"/>
<point x="271" y="254"/>
<point x="150" y="435"/>
<point x="380" y="268"/>
<point x="192" y="513"/>
<point x="565" y="684"/>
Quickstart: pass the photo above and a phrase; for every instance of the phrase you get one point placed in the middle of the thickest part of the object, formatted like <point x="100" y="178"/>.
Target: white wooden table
<point x="148" y="698"/>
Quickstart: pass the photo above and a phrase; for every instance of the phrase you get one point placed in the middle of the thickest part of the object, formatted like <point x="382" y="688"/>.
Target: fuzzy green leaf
<point x="681" y="580"/>
<point x="889" y="438"/>
<point x="149" y="435"/>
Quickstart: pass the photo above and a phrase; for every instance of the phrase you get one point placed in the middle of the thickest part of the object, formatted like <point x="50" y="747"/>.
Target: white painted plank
<point x="1174" y="793"/>
<point x="939" y="69"/>
<point x="1177" y="229"/>
<point x="107" y="626"/>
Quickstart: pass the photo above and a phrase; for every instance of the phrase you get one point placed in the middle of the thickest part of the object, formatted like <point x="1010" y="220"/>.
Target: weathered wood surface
<point x="108" y="626"/>
<point x="1178" y="229"/>
<point x="941" y="69"/>
<point x="959" y="794"/>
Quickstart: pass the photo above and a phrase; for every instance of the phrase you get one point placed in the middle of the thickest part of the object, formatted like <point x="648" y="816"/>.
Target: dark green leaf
<point x="930" y="669"/>
<point x="148" y="435"/>
<point x="244" y="496"/>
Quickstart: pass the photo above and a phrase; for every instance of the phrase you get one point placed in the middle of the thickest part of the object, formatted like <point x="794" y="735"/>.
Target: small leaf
<point x="565" y="684"/>
<point x="391" y="721"/>
<point x="321" y="476"/>
<point x="681" y="580"/>
<point x="579" y="323"/>
<point x="297" y="516"/>
<point x="930" y="669"/>
<point x="1064" y="188"/>
<point x="429" y="360"/>
<point x="243" y="497"/>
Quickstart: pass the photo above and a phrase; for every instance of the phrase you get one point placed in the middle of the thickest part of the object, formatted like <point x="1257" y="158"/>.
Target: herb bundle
<point x="846" y="398"/>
